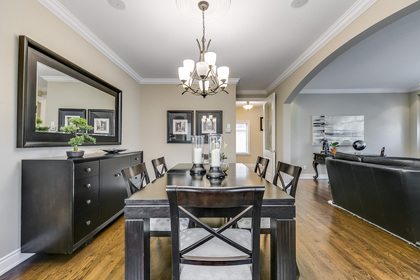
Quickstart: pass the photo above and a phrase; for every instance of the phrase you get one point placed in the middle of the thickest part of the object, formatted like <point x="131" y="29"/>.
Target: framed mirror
<point x="51" y="90"/>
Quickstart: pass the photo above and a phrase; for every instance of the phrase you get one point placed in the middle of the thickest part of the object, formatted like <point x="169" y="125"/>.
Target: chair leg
<point x="297" y="270"/>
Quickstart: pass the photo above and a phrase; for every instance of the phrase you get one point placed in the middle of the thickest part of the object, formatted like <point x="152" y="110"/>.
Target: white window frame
<point x="247" y="122"/>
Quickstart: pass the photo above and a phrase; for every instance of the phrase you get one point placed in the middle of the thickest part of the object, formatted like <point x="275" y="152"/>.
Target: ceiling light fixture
<point x="298" y="3"/>
<point x="248" y="106"/>
<point x="204" y="72"/>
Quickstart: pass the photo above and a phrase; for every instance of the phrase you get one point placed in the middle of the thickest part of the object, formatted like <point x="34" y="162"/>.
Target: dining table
<point x="152" y="202"/>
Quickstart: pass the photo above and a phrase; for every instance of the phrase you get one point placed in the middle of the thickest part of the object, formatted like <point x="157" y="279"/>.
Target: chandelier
<point x="210" y="81"/>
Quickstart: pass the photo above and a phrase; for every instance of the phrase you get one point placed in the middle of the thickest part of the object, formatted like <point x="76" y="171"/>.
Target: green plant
<point x="335" y="145"/>
<point x="78" y="126"/>
<point x="39" y="127"/>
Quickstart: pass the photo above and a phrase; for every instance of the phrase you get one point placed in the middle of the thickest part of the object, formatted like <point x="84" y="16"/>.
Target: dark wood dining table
<point x="152" y="202"/>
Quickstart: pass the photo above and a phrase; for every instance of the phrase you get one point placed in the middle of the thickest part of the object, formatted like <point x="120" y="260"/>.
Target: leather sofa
<point x="383" y="190"/>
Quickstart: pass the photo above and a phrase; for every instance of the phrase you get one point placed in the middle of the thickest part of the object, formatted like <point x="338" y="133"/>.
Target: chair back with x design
<point x="135" y="177"/>
<point x="224" y="248"/>
<point x="290" y="170"/>
<point x="159" y="166"/>
<point x="261" y="166"/>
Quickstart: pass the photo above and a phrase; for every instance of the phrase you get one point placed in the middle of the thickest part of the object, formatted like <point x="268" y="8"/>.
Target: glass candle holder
<point x="215" y="156"/>
<point x="197" y="155"/>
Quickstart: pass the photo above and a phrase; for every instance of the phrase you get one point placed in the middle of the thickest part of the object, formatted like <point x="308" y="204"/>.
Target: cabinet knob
<point x="136" y="158"/>
<point x="88" y="201"/>
<point x="88" y="223"/>
<point x="88" y="186"/>
<point x="88" y="169"/>
<point x="118" y="175"/>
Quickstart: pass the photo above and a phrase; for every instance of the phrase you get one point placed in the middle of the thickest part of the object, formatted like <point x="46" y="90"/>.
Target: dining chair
<point x="293" y="174"/>
<point x="223" y="253"/>
<point x="159" y="166"/>
<point x="261" y="166"/>
<point x="136" y="177"/>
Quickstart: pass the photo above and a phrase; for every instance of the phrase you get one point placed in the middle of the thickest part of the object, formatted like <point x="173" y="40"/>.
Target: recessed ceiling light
<point x="117" y="4"/>
<point x="298" y="3"/>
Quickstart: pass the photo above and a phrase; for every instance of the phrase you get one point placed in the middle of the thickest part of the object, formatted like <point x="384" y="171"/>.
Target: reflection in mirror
<point x="61" y="97"/>
<point x="52" y="89"/>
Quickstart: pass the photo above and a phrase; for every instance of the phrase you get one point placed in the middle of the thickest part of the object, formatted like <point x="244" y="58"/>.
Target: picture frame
<point x="179" y="127"/>
<point x="102" y="121"/>
<point x="208" y="122"/>
<point x="64" y="114"/>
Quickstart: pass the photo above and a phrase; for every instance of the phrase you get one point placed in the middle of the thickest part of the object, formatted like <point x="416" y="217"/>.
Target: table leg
<point x="137" y="249"/>
<point x="315" y="166"/>
<point x="283" y="249"/>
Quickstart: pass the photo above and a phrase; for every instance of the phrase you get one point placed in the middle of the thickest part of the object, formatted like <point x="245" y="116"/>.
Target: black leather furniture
<point x="382" y="190"/>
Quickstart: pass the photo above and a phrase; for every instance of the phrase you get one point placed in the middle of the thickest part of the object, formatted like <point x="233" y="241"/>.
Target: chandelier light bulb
<point x="223" y="72"/>
<point x="189" y="64"/>
<point x="183" y="74"/>
<point x="202" y="69"/>
<point x="210" y="58"/>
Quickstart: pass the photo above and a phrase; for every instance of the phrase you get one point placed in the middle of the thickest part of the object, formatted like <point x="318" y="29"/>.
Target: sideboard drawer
<point x="85" y="223"/>
<point x="135" y="159"/>
<point x="86" y="185"/>
<point x="86" y="202"/>
<point x="86" y="169"/>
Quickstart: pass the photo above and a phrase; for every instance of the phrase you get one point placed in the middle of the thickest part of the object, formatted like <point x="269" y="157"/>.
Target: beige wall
<point x="28" y="17"/>
<point x="290" y="87"/>
<point x="157" y="99"/>
<point x="256" y="136"/>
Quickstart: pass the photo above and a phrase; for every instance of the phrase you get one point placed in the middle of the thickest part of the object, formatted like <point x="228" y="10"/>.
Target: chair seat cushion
<point x="215" y="248"/>
<point x="164" y="224"/>
<point x="246" y="223"/>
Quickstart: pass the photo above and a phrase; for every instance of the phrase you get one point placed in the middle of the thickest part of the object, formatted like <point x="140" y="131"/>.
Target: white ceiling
<point x="261" y="41"/>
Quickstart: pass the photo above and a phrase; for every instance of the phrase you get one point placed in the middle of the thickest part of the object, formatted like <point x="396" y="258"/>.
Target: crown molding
<point x="358" y="90"/>
<point x="175" y="81"/>
<point x="251" y="92"/>
<point x="62" y="13"/>
<point x="348" y="17"/>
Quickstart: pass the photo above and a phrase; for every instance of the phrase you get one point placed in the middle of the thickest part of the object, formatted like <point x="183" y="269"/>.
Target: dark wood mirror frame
<point x="30" y="52"/>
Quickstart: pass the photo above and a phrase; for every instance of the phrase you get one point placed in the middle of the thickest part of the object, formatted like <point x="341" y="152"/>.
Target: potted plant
<point x="334" y="146"/>
<point x="78" y="126"/>
<point x="39" y="127"/>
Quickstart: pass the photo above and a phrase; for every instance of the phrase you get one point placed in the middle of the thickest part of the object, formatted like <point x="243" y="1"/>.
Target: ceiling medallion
<point x="217" y="9"/>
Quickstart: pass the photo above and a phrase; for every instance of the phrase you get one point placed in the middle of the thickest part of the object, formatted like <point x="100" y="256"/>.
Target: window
<point x="242" y="137"/>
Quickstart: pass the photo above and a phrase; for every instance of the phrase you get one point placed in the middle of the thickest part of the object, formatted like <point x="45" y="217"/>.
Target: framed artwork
<point x="342" y="129"/>
<point x="179" y="128"/>
<point x="208" y="122"/>
<point x="102" y="121"/>
<point x="64" y="114"/>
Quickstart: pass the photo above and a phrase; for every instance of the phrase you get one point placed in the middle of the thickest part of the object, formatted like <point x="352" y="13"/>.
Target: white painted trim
<point x="348" y="17"/>
<point x="358" y="90"/>
<point x="311" y="176"/>
<point x="252" y="92"/>
<point x="11" y="260"/>
<point x="62" y="13"/>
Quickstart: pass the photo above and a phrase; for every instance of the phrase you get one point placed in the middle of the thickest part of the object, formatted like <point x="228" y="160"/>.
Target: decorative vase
<point x="333" y="150"/>
<point x="73" y="154"/>
<point x="225" y="167"/>
<point x="215" y="157"/>
<point x="197" y="155"/>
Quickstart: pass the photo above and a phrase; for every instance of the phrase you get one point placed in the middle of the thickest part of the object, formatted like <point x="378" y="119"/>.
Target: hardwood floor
<point x="331" y="244"/>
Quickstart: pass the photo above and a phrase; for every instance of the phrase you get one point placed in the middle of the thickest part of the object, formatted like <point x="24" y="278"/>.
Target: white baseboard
<point x="311" y="176"/>
<point x="11" y="260"/>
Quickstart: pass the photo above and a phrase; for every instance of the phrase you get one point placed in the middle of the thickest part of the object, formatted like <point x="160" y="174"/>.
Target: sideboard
<point x="65" y="202"/>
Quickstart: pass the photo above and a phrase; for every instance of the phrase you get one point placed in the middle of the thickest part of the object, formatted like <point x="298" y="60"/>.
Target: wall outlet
<point x="304" y="167"/>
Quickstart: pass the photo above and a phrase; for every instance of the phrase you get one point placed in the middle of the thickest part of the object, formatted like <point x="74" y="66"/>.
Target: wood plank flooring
<point x="331" y="244"/>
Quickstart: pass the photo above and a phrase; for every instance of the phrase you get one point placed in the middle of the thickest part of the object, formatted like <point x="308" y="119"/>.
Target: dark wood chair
<point x="136" y="177"/>
<point x="159" y="166"/>
<point x="206" y="253"/>
<point x="290" y="170"/>
<point x="261" y="166"/>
